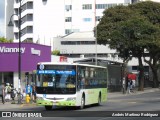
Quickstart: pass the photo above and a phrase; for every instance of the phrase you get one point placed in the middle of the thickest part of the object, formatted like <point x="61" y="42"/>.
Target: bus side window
<point x="78" y="84"/>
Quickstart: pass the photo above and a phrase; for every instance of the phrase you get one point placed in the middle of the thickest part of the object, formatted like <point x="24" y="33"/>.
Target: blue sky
<point x="2" y="18"/>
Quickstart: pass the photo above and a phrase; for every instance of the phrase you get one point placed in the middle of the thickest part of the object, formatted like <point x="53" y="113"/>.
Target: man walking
<point x="2" y="92"/>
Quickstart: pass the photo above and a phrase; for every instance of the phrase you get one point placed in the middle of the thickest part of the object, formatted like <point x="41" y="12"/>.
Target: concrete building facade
<point x="41" y="22"/>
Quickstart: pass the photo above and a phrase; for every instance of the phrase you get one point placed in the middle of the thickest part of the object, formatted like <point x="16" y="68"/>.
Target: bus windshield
<point x="56" y="81"/>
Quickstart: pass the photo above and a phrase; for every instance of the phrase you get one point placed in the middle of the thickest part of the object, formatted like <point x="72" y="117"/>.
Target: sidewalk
<point x="118" y="94"/>
<point x="9" y="105"/>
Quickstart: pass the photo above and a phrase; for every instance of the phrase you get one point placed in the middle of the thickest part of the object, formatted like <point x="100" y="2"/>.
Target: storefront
<point x="31" y="54"/>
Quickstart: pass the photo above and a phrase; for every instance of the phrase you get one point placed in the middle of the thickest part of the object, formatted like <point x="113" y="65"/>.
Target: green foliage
<point x="4" y="40"/>
<point x="151" y="10"/>
<point x="55" y="52"/>
<point x="133" y="30"/>
<point x="130" y="29"/>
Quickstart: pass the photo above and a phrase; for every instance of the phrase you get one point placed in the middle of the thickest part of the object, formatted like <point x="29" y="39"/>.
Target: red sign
<point x="63" y="59"/>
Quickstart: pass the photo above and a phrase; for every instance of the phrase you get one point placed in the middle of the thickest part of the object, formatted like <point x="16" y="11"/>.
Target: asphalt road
<point x="143" y="103"/>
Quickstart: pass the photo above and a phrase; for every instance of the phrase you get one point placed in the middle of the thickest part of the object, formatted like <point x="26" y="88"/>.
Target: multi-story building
<point x="41" y="22"/>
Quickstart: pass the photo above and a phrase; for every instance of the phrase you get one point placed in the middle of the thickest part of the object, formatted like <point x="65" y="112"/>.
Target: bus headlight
<point x="39" y="98"/>
<point x="71" y="98"/>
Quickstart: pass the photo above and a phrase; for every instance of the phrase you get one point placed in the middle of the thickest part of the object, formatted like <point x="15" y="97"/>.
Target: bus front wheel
<point x="48" y="107"/>
<point x="82" y="102"/>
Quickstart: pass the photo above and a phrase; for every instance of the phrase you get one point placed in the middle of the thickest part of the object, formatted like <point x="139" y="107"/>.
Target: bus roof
<point x="67" y="63"/>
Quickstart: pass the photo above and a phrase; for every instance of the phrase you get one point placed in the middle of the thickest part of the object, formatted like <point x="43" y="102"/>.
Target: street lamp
<point x="19" y="45"/>
<point x="19" y="37"/>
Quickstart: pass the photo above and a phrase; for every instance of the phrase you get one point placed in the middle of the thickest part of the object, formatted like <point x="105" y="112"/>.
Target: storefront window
<point x="0" y="78"/>
<point x="8" y="77"/>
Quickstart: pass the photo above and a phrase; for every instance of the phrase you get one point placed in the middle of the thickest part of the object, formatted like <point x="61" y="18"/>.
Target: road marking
<point x="132" y="102"/>
<point x="122" y="101"/>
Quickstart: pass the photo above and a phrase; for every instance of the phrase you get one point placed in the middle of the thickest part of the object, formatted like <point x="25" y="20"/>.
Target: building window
<point x="68" y="7"/>
<point x="135" y="1"/>
<point x="86" y="6"/>
<point x="28" y="29"/>
<point x="16" y="35"/>
<point x="28" y="5"/>
<point x="98" y="18"/>
<point x="68" y="19"/>
<point x="16" y="1"/>
<point x="104" y="6"/>
<point x="101" y="6"/>
<point x="86" y="19"/>
<point x="77" y="42"/>
<point x="68" y="31"/>
<point x="16" y="11"/>
<point x="28" y="17"/>
<point x="134" y="68"/>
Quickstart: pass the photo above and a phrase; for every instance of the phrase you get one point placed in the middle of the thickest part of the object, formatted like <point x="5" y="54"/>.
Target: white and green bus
<point x="70" y="84"/>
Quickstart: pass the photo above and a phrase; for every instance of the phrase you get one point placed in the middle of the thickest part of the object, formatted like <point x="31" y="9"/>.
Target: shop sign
<point x="35" y="52"/>
<point x="5" y="49"/>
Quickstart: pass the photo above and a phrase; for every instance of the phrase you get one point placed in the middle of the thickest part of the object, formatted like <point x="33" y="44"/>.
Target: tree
<point x="4" y="40"/>
<point x="127" y="31"/>
<point x="151" y="11"/>
<point x="56" y="52"/>
<point x="137" y="34"/>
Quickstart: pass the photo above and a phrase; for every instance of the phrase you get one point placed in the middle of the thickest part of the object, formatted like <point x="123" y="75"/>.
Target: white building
<point x="81" y="45"/>
<point x="41" y="22"/>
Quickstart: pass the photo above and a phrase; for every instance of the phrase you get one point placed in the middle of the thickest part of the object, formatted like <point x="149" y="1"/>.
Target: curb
<point x="119" y="94"/>
<point x="29" y="105"/>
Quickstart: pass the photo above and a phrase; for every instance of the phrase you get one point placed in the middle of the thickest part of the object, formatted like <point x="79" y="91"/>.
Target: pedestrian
<point x="129" y="81"/>
<point x="34" y="93"/>
<point x="2" y="92"/>
<point x="19" y="96"/>
<point x="123" y="85"/>
<point x="12" y="94"/>
<point x="133" y="77"/>
<point x="29" y="90"/>
<point x="7" y="92"/>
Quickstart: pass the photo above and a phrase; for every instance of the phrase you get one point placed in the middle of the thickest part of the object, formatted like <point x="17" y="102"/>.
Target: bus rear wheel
<point x="99" y="99"/>
<point x="48" y="107"/>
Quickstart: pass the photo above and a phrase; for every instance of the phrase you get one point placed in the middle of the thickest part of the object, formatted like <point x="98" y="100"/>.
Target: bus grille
<point x="55" y="98"/>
